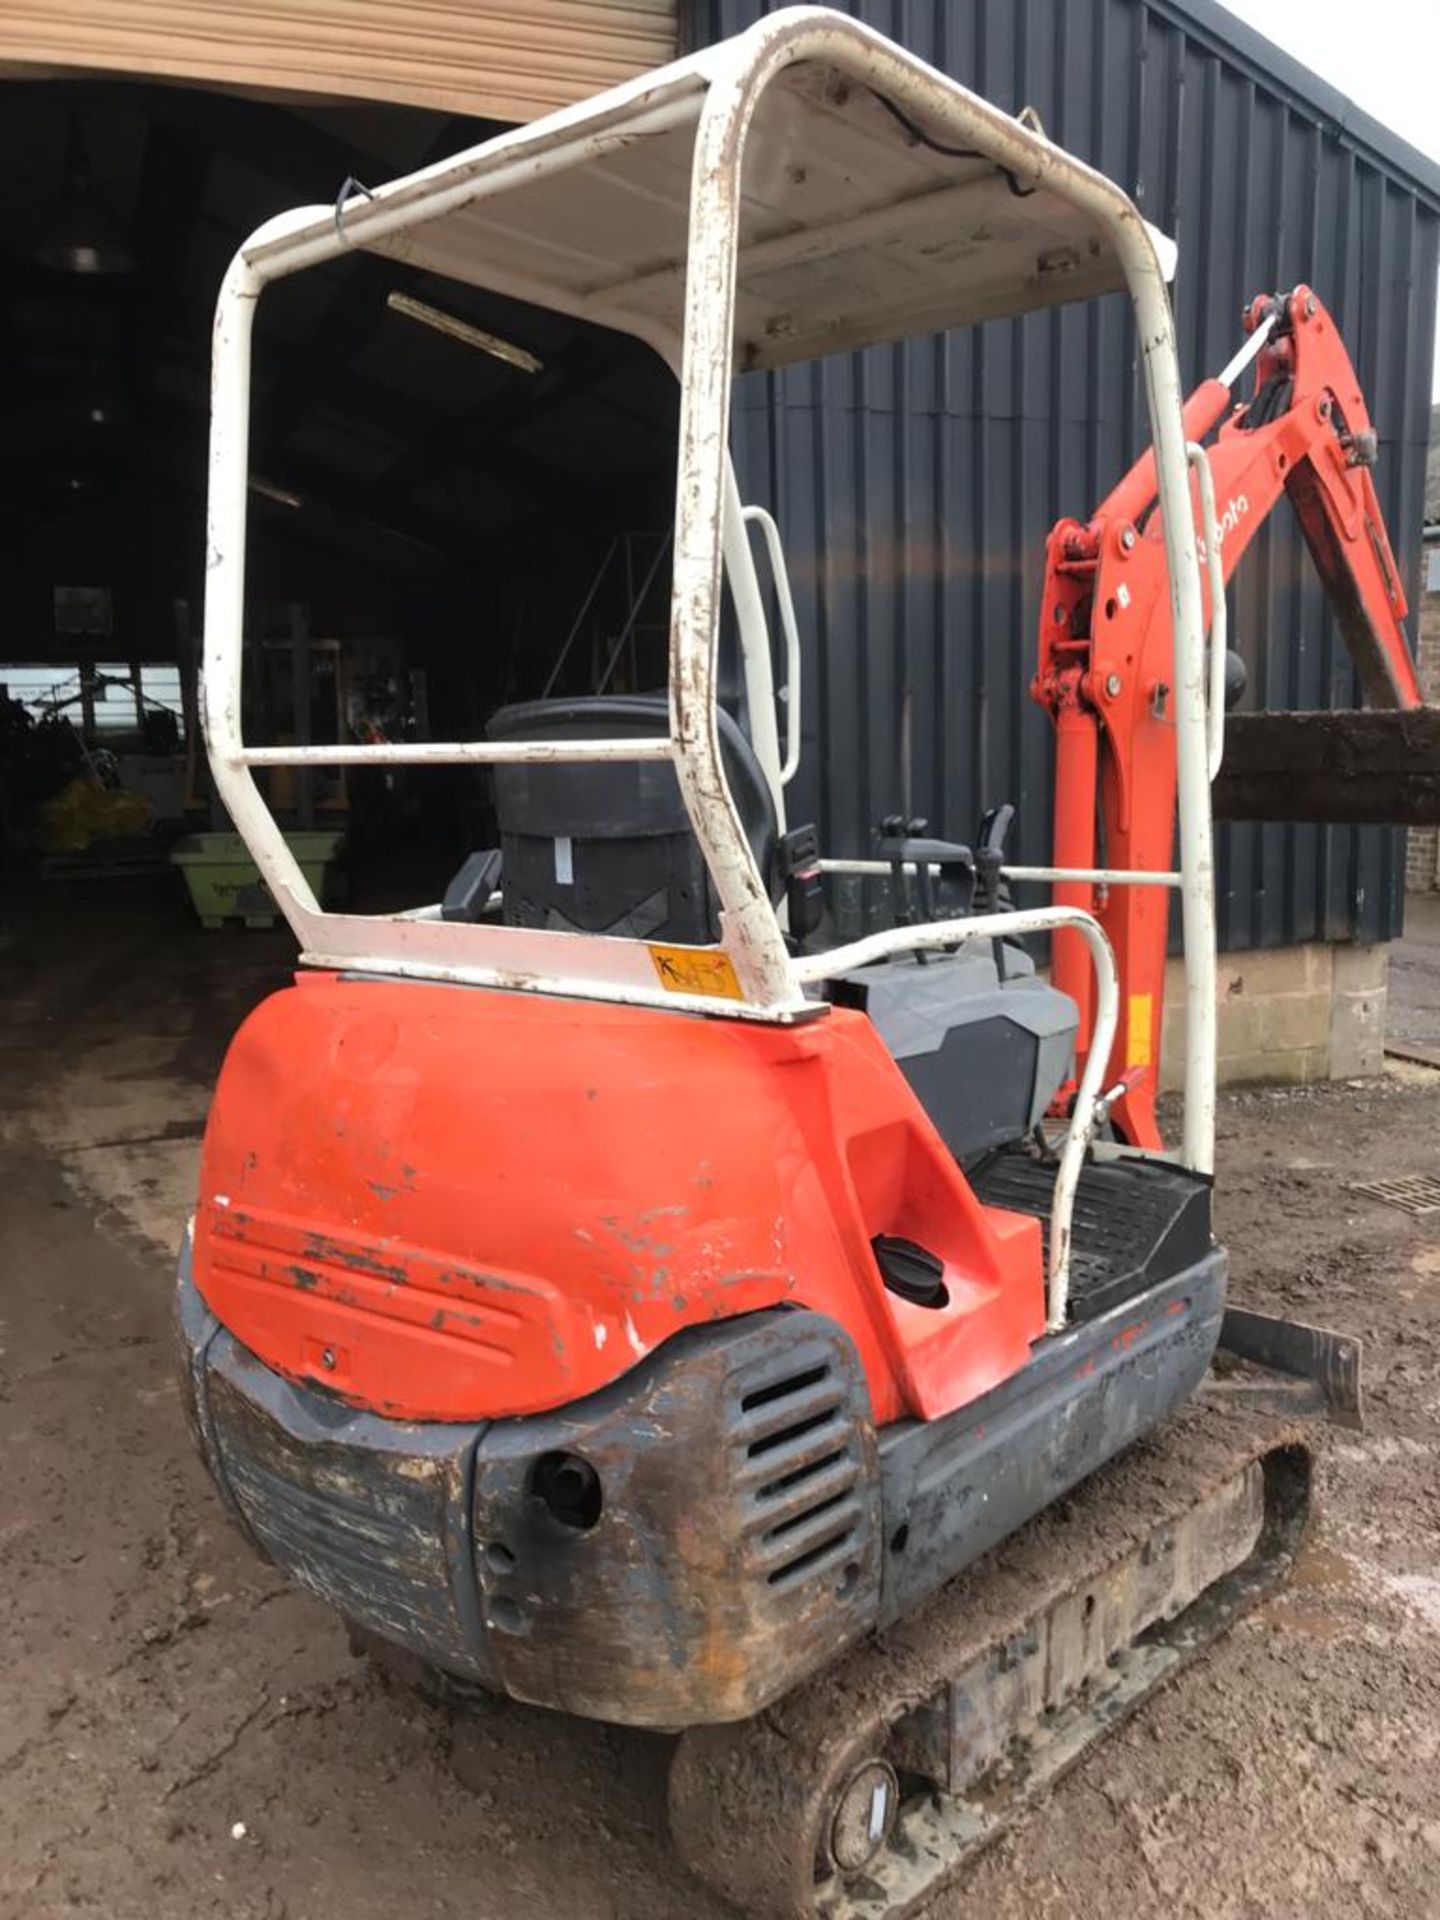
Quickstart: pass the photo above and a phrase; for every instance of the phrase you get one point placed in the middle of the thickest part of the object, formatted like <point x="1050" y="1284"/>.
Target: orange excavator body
<point x="444" y="1203"/>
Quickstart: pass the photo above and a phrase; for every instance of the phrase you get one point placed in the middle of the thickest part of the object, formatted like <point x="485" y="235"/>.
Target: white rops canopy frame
<point x="805" y="188"/>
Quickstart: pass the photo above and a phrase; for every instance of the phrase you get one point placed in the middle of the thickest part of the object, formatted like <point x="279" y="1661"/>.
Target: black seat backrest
<point x="607" y="847"/>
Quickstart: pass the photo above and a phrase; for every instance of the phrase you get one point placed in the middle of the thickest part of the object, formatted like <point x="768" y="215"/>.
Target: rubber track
<point x="744" y="1799"/>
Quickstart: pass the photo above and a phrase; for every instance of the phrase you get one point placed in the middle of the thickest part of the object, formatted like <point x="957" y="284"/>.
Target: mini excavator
<point x="620" y="1292"/>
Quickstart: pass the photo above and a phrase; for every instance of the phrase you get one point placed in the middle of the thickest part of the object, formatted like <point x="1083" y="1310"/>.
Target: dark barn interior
<point x="440" y="498"/>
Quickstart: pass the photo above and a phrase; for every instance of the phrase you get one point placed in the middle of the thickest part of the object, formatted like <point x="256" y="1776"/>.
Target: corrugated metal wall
<point x="915" y="485"/>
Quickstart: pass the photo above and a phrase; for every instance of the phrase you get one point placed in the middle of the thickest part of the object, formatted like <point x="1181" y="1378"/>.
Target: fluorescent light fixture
<point x="271" y="492"/>
<point x="462" y="330"/>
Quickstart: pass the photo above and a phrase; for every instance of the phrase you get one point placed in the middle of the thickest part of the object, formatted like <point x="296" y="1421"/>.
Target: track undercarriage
<point x="872" y="1783"/>
<point x="876" y="1782"/>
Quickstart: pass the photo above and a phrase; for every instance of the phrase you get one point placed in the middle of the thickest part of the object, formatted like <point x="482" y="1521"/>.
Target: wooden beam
<point x="1362" y="768"/>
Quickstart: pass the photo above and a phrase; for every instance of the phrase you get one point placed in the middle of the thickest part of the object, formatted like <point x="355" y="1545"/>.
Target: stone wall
<point x="1315" y="1012"/>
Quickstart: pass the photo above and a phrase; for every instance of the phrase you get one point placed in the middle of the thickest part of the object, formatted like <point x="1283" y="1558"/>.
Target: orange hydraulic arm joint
<point x="1106" y="645"/>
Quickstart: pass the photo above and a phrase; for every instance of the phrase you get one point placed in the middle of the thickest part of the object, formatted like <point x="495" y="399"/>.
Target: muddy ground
<point x="182" y="1736"/>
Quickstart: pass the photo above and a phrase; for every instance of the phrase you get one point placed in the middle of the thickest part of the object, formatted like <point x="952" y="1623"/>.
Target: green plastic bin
<point x="225" y="882"/>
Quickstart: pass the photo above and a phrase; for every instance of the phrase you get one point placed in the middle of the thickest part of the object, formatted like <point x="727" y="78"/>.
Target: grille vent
<point x="797" y="1472"/>
<point x="1417" y="1193"/>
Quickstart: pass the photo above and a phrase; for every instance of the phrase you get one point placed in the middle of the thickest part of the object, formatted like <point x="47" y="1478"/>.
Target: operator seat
<point x="592" y="847"/>
<point x="607" y="847"/>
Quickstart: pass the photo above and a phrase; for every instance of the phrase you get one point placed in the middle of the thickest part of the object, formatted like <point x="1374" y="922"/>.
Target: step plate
<point x="1136" y="1222"/>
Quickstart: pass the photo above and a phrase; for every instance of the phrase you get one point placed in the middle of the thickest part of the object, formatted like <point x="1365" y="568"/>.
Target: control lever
<point x="992" y="895"/>
<point x="468" y="895"/>
<point x="945" y="894"/>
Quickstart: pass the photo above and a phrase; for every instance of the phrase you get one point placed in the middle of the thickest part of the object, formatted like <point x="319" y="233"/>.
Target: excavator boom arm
<point x="1106" y="646"/>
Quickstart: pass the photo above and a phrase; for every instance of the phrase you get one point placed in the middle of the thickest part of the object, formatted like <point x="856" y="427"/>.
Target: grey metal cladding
<point x="915" y="485"/>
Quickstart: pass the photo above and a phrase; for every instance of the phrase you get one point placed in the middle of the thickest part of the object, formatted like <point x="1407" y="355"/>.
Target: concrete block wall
<point x="1422" y="850"/>
<point x="1314" y="1012"/>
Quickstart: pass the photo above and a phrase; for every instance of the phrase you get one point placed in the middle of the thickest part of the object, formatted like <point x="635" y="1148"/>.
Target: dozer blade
<point x="1294" y="1368"/>
<point x="877" y="1782"/>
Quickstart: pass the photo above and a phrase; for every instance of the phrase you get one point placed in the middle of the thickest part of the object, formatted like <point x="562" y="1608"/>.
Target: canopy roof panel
<point x="878" y="198"/>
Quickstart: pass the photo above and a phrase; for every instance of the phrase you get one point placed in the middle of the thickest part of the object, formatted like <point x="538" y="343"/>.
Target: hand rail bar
<point x="780" y="573"/>
<point x="809" y="969"/>
<point x="1092" y="876"/>
<point x="446" y="753"/>
<point x="1219" y="630"/>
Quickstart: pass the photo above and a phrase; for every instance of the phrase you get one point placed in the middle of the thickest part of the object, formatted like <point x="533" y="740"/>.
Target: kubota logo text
<point x="1235" y="508"/>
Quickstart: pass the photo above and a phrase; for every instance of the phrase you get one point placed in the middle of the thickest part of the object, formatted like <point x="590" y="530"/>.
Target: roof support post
<point x="1161" y="371"/>
<point x="225" y="594"/>
<point x="751" y="931"/>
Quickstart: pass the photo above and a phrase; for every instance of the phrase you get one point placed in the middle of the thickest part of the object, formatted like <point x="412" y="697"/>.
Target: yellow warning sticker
<point x="697" y="970"/>
<point x="1139" y="1034"/>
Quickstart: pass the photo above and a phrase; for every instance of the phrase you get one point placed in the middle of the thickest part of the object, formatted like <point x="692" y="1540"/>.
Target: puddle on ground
<point x="1323" y="1576"/>
<point x="1318" y="1565"/>
<point x="1320" y="1576"/>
